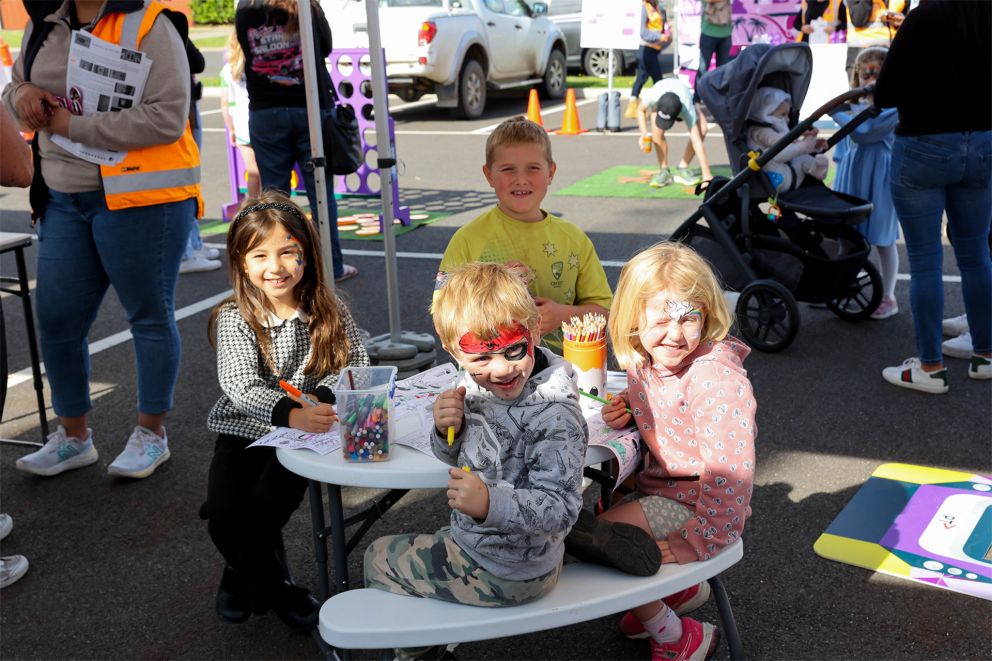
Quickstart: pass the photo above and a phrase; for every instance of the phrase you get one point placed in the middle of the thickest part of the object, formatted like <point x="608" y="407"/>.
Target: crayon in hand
<point x="451" y="436"/>
<point x="601" y="400"/>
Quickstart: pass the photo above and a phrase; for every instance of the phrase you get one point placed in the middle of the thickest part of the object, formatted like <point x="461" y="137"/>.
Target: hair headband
<point x="282" y="206"/>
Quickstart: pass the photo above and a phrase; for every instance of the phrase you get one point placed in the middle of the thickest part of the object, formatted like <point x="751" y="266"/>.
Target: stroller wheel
<point x="767" y="315"/>
<point x="861" y="297"/>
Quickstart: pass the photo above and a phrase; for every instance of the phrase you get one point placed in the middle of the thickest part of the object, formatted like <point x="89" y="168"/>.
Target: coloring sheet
<point x="413" y="418"/>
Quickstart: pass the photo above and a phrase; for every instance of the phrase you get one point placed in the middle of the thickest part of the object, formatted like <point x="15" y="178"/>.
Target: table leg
<point x="339" y="544"/>
<point x="319" y="539"/>
<point x="22" y="278"/>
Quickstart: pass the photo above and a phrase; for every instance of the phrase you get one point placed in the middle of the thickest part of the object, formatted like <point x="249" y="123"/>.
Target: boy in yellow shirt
<point x="568" y="279"/>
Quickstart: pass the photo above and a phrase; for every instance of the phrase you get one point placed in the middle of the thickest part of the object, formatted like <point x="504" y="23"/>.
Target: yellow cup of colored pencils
<point x="584" y="343"/>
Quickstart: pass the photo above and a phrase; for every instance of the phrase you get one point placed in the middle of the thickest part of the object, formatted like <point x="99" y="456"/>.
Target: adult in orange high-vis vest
<point x="832" y="12"/>
<point x="99" y="225"/>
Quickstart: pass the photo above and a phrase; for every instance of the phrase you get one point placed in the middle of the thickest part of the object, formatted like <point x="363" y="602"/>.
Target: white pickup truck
<point x="458" y="49"/>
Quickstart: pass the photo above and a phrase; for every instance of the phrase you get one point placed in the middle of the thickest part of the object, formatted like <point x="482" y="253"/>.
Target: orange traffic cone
<point x="534" y="109"/>
<point x="571" y="125"/>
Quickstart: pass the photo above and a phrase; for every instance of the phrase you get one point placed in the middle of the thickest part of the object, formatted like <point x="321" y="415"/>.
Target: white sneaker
<point x="197" y="264"/>
<point x="955" y="325"/>
<point x="911" y="375"/>
<point x="6" y="525"/>
<point x="12" y="567"/>
<point x="207" y="252"/>
<point x="144" y="452"/>
<point x="958" y="347"/>
<point x="980" y="368"/>
<point x="60" y="453"/>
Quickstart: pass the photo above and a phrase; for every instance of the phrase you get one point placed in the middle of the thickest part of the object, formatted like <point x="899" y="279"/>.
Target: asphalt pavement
<point x="125" y="569"/>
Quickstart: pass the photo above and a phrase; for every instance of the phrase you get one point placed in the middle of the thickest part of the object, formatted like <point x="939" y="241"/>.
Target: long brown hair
<point x="292" y="13"/>
<point x="258" y="218"/>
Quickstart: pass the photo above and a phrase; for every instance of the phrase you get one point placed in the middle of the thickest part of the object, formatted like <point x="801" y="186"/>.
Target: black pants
<point x="648" y="64"/>
<point x="707" y="47"/>
<point x="250" y="497"/>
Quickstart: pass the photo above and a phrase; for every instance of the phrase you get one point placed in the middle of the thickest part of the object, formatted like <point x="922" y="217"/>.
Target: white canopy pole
<point x="387" y="164"/>
<point x="311" y="86"/>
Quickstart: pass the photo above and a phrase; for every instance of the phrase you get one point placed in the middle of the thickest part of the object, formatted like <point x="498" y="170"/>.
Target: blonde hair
<point x="517" y="131"/>
<point x="867" y="56"/>
<point x="482" y="298"/>
<point x="235" y="57"/>
<point x="665" y="266"/>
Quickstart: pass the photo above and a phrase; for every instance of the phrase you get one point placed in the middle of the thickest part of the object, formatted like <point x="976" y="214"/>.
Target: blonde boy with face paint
<point x="517" y="456"/>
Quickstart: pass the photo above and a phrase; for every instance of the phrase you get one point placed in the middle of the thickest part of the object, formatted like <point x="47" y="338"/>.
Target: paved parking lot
<point x="126" y="570"/>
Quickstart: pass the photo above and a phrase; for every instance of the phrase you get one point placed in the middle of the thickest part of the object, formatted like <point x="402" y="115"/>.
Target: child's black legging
<point x="250" y="497"/>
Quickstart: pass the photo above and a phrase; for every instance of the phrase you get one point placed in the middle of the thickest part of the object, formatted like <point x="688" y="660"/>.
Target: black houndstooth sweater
<point x="253" y="403"/>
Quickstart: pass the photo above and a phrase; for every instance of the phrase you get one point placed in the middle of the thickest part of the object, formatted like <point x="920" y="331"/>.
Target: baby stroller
<point x="809" y="253"/>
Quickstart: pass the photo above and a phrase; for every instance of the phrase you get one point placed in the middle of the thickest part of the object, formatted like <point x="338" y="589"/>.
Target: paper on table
<point x="412" y="406"/>
<point x="625" y="444"/>
<point x="102" y="77"/>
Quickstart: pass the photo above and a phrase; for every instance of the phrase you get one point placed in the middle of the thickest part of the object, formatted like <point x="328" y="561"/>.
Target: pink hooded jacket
<point x="698" y="423"/>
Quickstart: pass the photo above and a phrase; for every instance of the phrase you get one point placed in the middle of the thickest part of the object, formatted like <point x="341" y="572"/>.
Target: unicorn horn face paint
<point x="672" y="329"/>
<point x="501" y="364"/>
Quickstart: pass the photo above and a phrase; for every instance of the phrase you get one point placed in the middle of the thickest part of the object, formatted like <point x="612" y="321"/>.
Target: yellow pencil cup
<point x="588" y="359"/>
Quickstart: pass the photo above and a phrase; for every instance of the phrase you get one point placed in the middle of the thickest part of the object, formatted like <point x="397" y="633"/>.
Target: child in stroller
<point x="773" y="241"/>
<point x="768" y="122"/>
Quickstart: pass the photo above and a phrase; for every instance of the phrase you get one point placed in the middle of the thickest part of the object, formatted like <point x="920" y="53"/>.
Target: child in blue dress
<point x="863" y="171"/>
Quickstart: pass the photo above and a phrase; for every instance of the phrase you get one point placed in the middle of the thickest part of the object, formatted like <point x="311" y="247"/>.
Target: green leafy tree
<point x="212" y="12"/>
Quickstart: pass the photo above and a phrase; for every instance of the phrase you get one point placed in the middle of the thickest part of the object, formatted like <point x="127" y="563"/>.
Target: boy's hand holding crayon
<point x="449" y="411"/>
<point x="615" y="412"/>
<point x="467" y="493"/>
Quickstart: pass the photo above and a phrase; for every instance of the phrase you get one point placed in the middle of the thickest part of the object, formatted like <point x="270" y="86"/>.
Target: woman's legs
<point x="252" y="180"/>
<point x="71" y="286"/>
<point x="140" y="249"/>
<point x="969" y="213"/>
<point x="642" y="72"/>
<point x="920" y="172"/>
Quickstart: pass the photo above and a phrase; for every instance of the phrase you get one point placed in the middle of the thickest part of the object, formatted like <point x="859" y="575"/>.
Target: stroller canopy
<point x="727" y="90"/>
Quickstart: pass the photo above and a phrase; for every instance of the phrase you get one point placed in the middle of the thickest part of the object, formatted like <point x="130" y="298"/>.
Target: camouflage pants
<point x="434" y="566"/>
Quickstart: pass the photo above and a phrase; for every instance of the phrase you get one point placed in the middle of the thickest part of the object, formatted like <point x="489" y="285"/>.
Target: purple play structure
<point x="350" y="71"/>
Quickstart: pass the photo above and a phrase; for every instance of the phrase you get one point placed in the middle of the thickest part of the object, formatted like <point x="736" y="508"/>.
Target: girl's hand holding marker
<point x="616" y="413"/>
<point x="314" y="417"/>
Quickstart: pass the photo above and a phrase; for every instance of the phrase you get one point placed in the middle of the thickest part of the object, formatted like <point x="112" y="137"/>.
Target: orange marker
<point x="295" y="392"/>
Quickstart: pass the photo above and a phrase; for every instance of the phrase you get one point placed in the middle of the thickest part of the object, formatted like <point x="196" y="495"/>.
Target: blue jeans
<point x="281" y="138"/>
<point x="83" y="247"/>
<point x="707" y="47"/>
<point x="931" y="173"/>
<point x="648" y="65"/>
<point x="195" y="241"/>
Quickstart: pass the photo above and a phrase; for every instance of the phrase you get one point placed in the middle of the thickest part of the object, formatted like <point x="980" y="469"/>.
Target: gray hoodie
<point x="530" y="452"/>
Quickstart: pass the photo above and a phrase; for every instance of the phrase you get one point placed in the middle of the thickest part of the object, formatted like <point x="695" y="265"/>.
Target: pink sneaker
<point x="887" y="308"/>
<point x="682" y="602"/>
<point x="698" y="642"/>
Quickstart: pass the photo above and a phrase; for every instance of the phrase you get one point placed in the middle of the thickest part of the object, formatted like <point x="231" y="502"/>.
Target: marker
<point x="295" y="392"/>
<point x="466" y="469"/>
<point x="451" y="436"/>
<point x="601" y="400"/>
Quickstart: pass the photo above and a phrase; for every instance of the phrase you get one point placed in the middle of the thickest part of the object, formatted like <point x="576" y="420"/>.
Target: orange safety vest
<point x="655" y="21"/>
<point x="156" y="174"/>
<point x="829" y="14"/>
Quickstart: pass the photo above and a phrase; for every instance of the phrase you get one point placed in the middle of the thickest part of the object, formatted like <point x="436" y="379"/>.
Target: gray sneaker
<point x="60" y="453"/>
<point x="662" y="179"/>
<point x="687" y="177"/>
<point x="144" y="452"/>
<point x="12" y="568"/>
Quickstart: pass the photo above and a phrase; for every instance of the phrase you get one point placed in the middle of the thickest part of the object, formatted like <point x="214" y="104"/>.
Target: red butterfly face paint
<point x="502" y="364"/>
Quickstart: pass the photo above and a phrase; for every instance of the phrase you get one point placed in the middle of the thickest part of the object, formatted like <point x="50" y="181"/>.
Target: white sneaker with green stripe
<point x="980" y="368"/>
<point x="911" y="375"/>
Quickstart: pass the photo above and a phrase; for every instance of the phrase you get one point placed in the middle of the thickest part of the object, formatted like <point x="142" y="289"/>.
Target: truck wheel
<point x="554" y="76"/>
<point x="471" y="90"/>
<point x="596" y="62"/>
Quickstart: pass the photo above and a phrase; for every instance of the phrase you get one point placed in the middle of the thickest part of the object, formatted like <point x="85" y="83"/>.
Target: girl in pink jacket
<point x="693" y="405"/>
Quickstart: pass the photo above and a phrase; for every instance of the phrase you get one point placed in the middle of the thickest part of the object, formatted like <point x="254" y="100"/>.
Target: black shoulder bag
<point x="342" y="144"/>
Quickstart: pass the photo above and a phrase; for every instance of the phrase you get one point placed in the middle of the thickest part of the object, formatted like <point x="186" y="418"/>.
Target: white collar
<point x="270" y="320"/>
